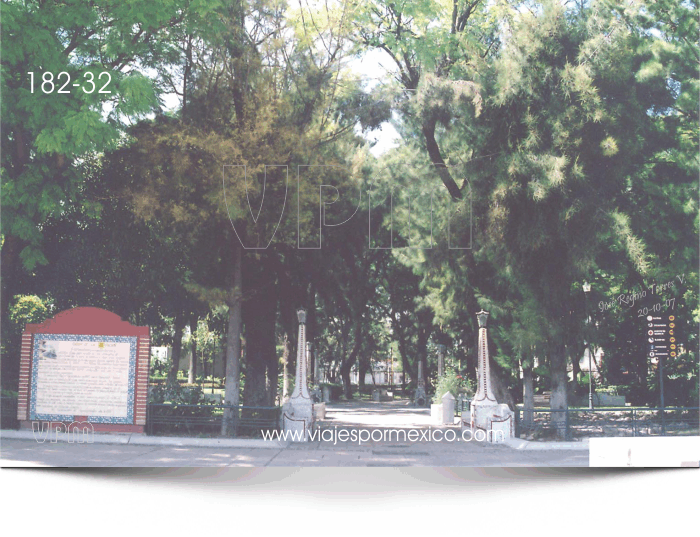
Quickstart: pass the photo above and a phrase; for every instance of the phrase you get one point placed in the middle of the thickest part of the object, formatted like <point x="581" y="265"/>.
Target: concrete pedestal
<point x="448" y="409"/>
<point x="497" y="421"/>
<point x="298" y="418"/>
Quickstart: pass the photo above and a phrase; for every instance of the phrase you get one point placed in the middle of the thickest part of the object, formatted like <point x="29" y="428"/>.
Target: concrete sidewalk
<point x="28" y="452"/>
<point x="136" y="439"/>
<point x="519" y="443"/>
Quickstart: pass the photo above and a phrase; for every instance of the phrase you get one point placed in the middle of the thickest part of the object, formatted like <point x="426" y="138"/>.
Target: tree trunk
<point x="362" y="368"/>
<point x="9" y="262"/>
<point x="205" y="370"/>
<point x="347" y="364"/>
<point x="403" y="351"/>
<point x="311" y="332"/>
<point x="598" y="365"/>
<point x="433" y="149"/>
<point x="528" y="394"/>
<point x="345" y="378"/>
<point x="272" y="366"/>
<point x="500" y="384"/>
<point x="407" y="370"/>
<point x="285" y="373"/>
<point x="177" y="348"/>
<point x="422" y="350"/>
<point x="259" y="318"/>
<point x="192" y="375"/>
<point x="558" y="400"/>
<point x="576" y="371"/>
<point x="233" y="345"/>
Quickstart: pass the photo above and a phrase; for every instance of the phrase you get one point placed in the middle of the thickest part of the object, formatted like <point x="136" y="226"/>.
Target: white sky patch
<point x="374" y="68"/>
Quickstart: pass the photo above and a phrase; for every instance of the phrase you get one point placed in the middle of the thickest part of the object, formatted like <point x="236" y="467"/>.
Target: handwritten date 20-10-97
<point x="670" y="303"/>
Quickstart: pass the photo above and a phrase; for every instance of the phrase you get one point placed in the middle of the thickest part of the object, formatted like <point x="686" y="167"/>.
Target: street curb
<point x="136" y="439"/>
<point x="520" y="444"/>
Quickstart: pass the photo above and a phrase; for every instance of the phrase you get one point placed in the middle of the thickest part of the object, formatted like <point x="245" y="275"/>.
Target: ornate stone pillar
<point x="484" y="393"/>
<point x="298" y="412"/>
<point x="496" y="420"/>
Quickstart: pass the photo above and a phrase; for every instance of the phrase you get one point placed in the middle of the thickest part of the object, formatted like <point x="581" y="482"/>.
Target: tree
<point x="45" y="135"/>
<point x="426" y="41"/>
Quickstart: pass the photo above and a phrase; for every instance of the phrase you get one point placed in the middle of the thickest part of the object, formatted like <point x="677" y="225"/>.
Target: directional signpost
<point x="662" y="345"/>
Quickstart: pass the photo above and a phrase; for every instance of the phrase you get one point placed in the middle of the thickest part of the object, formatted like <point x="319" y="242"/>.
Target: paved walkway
<point x="398" y="413"/>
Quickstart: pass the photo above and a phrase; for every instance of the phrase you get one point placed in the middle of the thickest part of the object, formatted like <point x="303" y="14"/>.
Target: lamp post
<point x="586" y="290"/>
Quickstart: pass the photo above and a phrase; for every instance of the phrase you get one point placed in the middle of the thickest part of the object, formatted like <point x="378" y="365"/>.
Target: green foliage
<point x="28" y="309"/>
<point x="46" y="135"/>
<point x="174" y="392"/>
<point x="159" y="369"/>
<point x="454" y="383"/>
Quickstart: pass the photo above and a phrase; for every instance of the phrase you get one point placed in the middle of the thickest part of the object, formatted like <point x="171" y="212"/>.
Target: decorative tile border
<point x="131" y="340"/>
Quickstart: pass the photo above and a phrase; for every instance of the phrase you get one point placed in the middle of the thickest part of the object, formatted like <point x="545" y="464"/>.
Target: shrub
<point x="173" y="392"/>
<point x="453" y="383"/>
<point x="28" y="309"/>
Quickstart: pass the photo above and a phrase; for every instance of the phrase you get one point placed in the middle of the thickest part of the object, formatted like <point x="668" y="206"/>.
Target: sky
<point x="372" y="67"/>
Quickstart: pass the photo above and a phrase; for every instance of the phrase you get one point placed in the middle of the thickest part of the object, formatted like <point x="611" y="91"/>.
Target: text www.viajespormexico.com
<point x="361" y="436"/>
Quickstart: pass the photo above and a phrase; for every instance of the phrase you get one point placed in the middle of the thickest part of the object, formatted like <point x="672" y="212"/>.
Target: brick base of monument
<point x="497" y="421"/>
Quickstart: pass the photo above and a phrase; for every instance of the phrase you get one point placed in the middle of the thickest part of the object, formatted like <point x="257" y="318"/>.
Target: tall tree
<point x="105" y="48"/>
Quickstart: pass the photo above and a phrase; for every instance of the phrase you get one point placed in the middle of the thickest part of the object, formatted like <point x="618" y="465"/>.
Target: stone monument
<point x="85" y="367"/>
<point x="496" y="420"/>
<point x="298" y="411"/>
<point x="420" y="398"/>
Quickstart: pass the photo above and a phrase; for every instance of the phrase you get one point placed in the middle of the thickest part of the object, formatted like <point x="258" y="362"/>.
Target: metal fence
<point x="206" y="420"/>
<point x="571" y="423"/>
<point x="462" y="404"/>
<point x="8" y="413"/>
